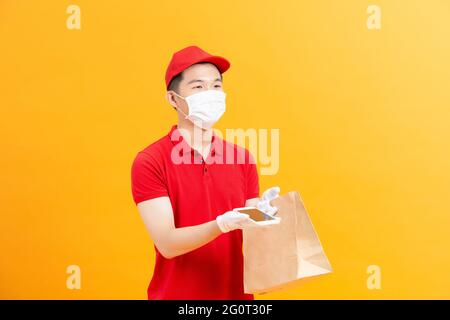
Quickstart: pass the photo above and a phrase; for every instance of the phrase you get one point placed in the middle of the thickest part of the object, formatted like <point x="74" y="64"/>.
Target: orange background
<point x="363" y="118"/>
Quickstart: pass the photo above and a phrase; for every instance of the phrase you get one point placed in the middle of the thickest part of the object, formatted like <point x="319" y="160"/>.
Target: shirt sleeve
<point x="147" y="179"/>
<point x="252" y="179"/>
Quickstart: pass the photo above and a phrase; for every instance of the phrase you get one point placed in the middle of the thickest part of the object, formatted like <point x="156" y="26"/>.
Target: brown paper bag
<point x="281" y="256"/>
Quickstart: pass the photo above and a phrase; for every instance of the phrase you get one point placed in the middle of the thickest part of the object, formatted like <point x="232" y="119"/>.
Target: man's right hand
<point x="232" y="220"/>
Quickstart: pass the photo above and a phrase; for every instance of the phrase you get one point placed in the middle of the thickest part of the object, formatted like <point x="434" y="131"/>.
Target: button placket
<point x="197" y="157"/>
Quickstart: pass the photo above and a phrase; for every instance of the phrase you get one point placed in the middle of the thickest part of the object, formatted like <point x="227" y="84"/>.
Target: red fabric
<point x="198" y="192"/>
<point x="191" y="55"/>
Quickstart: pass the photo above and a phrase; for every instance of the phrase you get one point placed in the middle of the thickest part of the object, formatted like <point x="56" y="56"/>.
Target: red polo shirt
<point x="199" y="190"/>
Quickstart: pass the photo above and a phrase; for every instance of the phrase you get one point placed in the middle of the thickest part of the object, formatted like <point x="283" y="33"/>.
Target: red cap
<point x="191" y="55"/>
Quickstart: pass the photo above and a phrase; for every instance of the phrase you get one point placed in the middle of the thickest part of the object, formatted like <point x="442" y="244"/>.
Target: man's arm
<point x="157" y="214"/>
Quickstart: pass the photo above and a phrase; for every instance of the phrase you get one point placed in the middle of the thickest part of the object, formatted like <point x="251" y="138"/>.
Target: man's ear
<point x="171" y="99"/>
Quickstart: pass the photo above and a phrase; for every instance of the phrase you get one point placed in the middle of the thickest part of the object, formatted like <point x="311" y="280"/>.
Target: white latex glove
<point x="264" y="203"/>
<point x="232" y="220"/>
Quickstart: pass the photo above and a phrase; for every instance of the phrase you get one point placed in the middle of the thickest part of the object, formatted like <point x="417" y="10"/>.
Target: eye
<point x="197" y="87"/>
<point x="218" y="86"/>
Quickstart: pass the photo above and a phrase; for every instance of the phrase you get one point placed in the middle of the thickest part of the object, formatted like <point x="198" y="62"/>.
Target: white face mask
<point x="205" y="108"/>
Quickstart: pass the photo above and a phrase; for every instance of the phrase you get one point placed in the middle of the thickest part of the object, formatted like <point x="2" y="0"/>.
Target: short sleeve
<point x="147" y="178"/>
<point x="252" y="179"/>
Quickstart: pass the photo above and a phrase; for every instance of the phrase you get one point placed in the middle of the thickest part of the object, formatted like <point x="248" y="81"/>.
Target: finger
<point x="272" y="211"/>
<point x="241" y="216"/>
<point x="247" y="223"/>
<point x="274" y="192"/>
<point x="271" y="193"/>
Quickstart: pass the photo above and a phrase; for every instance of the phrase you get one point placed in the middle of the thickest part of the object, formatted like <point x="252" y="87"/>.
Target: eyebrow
<point x="198" y="80"/>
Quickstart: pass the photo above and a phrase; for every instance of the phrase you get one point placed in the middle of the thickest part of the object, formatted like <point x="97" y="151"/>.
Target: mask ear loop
<point x="185" y="115"/>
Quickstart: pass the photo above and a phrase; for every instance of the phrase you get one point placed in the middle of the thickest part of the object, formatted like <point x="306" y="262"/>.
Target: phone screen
<point x="256" y="214"/>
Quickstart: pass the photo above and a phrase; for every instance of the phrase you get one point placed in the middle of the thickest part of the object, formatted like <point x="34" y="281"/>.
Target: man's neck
<point x="197" y="138"/>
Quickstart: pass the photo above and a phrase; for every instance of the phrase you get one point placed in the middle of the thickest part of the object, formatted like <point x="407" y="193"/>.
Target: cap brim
<point x="221" y="63"/>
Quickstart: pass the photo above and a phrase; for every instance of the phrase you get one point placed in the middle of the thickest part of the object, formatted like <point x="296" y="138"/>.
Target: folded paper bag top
<point x="292" y="248"/>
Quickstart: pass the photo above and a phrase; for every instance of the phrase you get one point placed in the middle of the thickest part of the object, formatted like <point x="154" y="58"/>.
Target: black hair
<point x="174" y="84"/>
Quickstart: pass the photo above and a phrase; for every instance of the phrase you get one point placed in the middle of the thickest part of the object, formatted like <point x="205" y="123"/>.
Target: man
<point x="185" y="188"/>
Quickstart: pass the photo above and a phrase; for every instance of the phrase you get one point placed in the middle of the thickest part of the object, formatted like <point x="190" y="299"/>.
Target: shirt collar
<point x="176" y="137"/>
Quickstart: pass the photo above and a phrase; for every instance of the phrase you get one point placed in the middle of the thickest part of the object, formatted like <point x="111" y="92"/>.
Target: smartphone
<point x="258" y="216"/>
